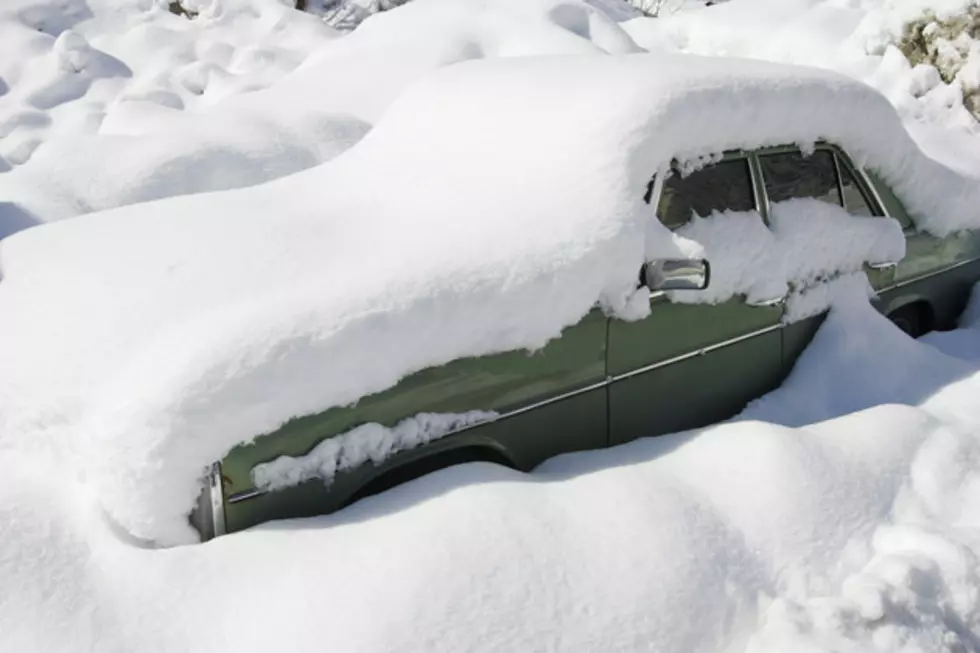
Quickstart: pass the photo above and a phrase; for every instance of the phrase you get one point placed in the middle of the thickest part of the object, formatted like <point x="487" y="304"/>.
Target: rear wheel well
<point x="916" y="318"/>
<point x="418" y="468"/>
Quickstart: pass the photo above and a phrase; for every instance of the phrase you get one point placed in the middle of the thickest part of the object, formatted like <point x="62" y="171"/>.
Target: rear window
<point x="792" y="175"/>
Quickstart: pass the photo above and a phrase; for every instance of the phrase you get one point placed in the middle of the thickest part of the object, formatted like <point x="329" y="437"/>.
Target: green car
<point x="607" y="381"/>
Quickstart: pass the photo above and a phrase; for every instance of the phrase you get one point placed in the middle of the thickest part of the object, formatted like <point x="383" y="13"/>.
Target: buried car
<point x="523" y="257"/>
<point x="687" y="363"/>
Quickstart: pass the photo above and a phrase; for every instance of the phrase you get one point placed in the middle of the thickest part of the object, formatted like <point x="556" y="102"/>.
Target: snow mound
<point x="152" y="105"/>
<point x="862" y="40"/>
<point x="202" y="321"/>
<point x="857" y="533"/>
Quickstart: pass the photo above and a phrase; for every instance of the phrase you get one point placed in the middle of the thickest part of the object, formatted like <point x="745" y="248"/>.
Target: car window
<point x="791" y="174"/>
<point x="723" y="186"/>
<point x="855" y="200"/>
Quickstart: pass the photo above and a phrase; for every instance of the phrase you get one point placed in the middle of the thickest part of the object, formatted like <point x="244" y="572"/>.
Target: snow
<point x="245" y="93"/>
<point x="347" y="216"/>
<point x="806" y="242"/>
<point x="202" y="321"/>
<point x="856" y="38"/>
<point x="857" y="533"/>
<point x="367" y="443"/>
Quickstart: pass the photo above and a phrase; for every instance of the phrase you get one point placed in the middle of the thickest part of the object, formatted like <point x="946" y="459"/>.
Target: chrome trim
<point x="676" y="274"/>
<point x="927" y="275"/>
<point x="658" y="189"/>
<point x="771" y="301"/>
<point x="872" y="189"/>
<point x="758" y="187"/>
<point x="692" y="354"/>
<point x="835" y="155"/>
<point x="245" y="495"/>
<point x="885" y="265"/>
<point x="217" y="495"/>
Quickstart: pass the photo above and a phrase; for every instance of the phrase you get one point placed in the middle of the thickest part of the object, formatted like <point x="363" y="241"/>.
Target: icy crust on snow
<point x="199" y="322"/>
<point x="365" y="443"/>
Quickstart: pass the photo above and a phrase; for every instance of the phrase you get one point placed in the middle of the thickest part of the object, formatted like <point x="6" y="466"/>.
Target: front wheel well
<point x="426" y="465"/>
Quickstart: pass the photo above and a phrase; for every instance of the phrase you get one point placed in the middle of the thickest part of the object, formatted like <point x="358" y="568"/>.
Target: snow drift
<point x="202" y="321"/>
<point x="858" y="533"/>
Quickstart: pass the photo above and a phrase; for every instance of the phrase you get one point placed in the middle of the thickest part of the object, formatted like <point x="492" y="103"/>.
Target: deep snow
<point x="128" y="334"/>
<point x="202" y="321"/>
<point x="858" y="533"/>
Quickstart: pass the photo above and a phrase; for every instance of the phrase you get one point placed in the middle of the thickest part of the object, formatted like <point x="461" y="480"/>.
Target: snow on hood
<point x="493" y="205"/>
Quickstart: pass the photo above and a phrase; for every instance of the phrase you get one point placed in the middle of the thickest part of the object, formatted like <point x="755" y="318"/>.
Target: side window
<point x="790" y="174"/>
<point x="723" y="186"/>
<point x="854" y="199"/>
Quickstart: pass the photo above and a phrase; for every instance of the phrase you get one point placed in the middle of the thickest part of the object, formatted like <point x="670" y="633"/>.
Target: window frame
<point x="655" y="185"/>
<point x="841" y="159"/>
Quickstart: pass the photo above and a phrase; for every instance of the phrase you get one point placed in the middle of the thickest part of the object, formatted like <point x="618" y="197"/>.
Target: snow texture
<point x="806" y="242"/>
<point x="857" y="533"/>
<point x="202" y="321"/>
<point x="366" y="443"/>
<point x="491" y="204"/>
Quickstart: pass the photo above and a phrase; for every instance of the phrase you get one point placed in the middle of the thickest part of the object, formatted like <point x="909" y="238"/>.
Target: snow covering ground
<point x="140" y="342"/>
<point x="861" y="533"/>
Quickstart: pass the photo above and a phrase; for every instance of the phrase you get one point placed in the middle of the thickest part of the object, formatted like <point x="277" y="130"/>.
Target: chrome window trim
<point x="693" y="353"/>
<point x="245" y="495"/>
<point x="840" y="180"/>
<point x="874" y="191"/>
<point x="762" y="205"/>
<point x="216" y="495"/>
<point x="927" y="275"/>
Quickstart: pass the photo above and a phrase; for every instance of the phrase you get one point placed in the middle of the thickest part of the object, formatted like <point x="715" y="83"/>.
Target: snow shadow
<point x="14" y="219"/>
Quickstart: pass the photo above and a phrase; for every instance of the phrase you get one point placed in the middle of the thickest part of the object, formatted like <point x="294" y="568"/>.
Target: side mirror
<point x="677" y="274"/>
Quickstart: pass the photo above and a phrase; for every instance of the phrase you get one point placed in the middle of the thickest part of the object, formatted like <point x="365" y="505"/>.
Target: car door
<point x="826" y="175"/>
<point x="829" y="175"/>
<point x="689" y="365"/>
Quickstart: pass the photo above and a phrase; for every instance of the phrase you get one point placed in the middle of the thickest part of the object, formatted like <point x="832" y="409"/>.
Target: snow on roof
<point x="494" y="204"/>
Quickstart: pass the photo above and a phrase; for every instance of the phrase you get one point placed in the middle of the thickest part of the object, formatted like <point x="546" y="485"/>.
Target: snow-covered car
<point x="609" y="380"/>
<point x="464" y="283"/>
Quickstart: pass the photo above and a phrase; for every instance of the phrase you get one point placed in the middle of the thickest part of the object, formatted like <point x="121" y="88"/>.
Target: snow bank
<point x="202" y="321"/>
<point x="244" y="93"/>
<point x="857" y="533"/>
<point x="858" y="39"/>
<point x="197" y="154"/>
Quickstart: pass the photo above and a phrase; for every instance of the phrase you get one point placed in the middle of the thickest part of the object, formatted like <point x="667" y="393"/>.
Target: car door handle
<point x="885" y="265"/>
<point x="771" y="301"/>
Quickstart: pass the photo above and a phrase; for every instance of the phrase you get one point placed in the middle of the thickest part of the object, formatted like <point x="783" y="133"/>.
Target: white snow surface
<point x="857" y="38"/>
<point x="807" y="241"/>
<point x="367" y="443"/>
<point x="199" y="322"/>
<point x="108" y="102"/>
<point x="857" y="533"/>
<point x="156" y="105"/>
<point x="139" y="344"/>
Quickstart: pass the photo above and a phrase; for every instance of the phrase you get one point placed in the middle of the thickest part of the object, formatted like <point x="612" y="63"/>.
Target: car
<point x="608" y="381"/>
